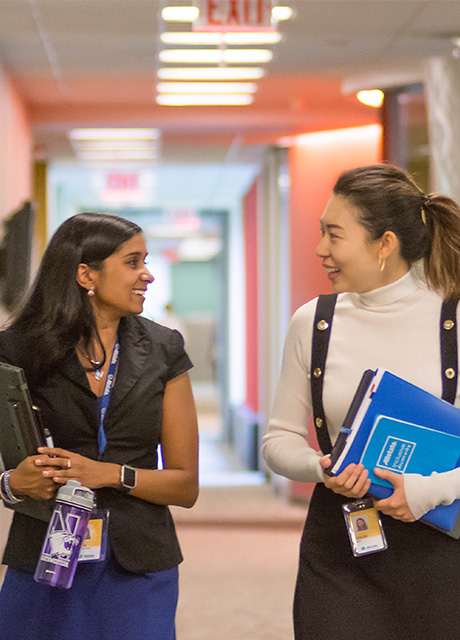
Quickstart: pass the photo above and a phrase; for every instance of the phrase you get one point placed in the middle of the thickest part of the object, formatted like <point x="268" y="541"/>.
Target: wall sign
<point x="234" y="15"/>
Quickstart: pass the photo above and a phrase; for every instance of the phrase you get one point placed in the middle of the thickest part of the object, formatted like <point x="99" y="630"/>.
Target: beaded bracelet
<point x="5" y="491"/>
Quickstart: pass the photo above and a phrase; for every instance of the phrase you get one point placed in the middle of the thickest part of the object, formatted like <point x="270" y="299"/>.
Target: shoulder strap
<point x="320" y="343"/>
<point x="449" y="350"/>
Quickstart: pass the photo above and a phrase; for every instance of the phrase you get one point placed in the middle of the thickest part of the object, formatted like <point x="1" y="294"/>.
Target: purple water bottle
<point x="66" y="531"/>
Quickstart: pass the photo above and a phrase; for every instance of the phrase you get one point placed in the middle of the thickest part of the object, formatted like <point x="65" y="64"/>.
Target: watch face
<point x="129" y="477"/>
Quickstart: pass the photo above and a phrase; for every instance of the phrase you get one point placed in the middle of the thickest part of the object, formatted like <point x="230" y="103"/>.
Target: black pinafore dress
<point x="410" y="591"/>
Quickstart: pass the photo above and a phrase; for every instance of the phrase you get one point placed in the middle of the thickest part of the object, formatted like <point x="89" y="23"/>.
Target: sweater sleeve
<point x="424" y="493"/>
<point x="285" y="448"/>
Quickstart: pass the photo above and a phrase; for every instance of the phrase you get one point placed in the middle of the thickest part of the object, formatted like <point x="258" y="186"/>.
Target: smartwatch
<point x="127" y="478"/>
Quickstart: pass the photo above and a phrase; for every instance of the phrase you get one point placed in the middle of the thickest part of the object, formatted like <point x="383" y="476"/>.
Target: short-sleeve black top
<point x="141" y="534"/>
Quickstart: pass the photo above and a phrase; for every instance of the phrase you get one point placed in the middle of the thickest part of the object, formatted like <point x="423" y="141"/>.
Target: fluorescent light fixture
<point x="92" y="145"/>
<point x="114" y="134"/>
<point x="206" y="87"/>
<point x="180" y="14"/>
<point x="184" y="100"/>
<point x="124" y="154"/>
<point x="211" y="73"/>
<point x="372" y="98"/>
<point x="261" y="37"/>
<point x="205" y="56"/>
<point x="190" y="14"/>
<point x="190" y="38"/>
<point x="193" y="57"/>
<point x="281" y="13"/>
<point x="198" y="38"/>
<point x="241" y="56"/>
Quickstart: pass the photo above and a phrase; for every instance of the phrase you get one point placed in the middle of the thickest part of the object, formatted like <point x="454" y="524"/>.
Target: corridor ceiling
<point x="94" y="63"/>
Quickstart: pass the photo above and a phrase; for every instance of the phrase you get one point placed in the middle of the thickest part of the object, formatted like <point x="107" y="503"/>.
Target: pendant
<point x="98" y="374"/>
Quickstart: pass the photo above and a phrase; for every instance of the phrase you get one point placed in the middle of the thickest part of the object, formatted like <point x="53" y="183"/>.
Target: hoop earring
<point x="91" y="292"/>
<point x="381" y="263"/>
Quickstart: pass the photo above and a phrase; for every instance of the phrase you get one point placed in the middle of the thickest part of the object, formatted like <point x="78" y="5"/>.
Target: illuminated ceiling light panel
<point x="371" y="98"/>
<point x="114" y="134"/>
<point x="193" y="57"/>
<point x="239" y="56"/>
<point x="180" y="14"/>
<point x="281" y="13"/>
<point x="190" y="14"/>
<point x="204" y="56"/>
<point x="177" y="100"/>
<point x="206" y="87"/>
<point x="269" y="37"/>
<point x="197" y="38"/>
<point x="91" y="145"/>
<point x="118" y="155"/>
<point x="190" y="38"/>
<point x="211" y="73"/>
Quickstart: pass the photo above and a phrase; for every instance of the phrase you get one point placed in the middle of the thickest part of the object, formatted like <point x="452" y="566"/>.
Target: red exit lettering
<point x="122" y="181"/>
<point x="234" y="13"/>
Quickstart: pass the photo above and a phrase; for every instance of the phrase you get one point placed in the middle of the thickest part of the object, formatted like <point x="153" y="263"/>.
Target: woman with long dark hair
<point x="78" y="330"/>
<point x="379" y="233"/>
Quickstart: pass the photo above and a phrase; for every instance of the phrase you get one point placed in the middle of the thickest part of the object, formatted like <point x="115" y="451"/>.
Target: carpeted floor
<point x="240" y="546"/>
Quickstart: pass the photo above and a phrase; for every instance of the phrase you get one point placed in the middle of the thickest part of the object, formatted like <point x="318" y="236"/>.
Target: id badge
<point x="364" y="527"/>
<point x="94" y="546"/>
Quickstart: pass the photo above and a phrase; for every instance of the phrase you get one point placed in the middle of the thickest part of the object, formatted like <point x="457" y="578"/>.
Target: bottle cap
<point x="75" y="494"/>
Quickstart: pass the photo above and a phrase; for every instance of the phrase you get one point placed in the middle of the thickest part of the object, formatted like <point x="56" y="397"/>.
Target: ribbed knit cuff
<point x="424" y="493"/>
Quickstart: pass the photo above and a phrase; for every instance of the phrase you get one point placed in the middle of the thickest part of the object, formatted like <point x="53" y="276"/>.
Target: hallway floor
<point x="240" y="545"/>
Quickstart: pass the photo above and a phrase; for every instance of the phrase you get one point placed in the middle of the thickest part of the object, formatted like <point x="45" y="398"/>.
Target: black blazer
<point x="141" y="534"/>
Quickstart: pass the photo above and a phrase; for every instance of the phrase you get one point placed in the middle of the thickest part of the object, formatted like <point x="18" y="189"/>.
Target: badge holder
<point x="364" y="527"/>
<point x="94" y="546"/>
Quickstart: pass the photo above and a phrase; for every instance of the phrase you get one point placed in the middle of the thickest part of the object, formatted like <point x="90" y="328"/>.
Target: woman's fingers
<point x="353" y="482"/>
<point x="53" y="461"/>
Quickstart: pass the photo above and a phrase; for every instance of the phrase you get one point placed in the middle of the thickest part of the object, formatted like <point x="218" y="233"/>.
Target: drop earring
<point x="91" y="292"/>
<point x="381" y="263"/>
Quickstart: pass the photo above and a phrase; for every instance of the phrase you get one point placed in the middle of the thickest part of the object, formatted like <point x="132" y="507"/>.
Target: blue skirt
<point x="104" y="602"/>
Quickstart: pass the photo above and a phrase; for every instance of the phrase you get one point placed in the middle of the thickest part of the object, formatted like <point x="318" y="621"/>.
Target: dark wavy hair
<point x="427" y="226"/>
<point x="57" y="314"/>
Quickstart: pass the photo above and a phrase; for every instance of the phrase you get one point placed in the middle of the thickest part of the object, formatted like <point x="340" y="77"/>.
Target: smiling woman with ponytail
<point x="392" y="254"/>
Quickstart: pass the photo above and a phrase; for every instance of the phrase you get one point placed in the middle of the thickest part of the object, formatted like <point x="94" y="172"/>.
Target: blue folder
<point x="382" y="402"/>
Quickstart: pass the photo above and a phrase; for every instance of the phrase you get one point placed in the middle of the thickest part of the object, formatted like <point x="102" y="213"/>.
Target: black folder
<point x="20" y="433"/>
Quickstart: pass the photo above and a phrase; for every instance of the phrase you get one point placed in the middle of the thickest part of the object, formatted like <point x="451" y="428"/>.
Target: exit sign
<point x="234" y="15"/>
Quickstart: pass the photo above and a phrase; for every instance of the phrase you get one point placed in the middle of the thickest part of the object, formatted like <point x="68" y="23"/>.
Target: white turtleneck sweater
<point x="395" y="327"/>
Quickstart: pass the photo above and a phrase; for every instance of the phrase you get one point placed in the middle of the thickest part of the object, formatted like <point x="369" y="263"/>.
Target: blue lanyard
<point x="105" y="398"/>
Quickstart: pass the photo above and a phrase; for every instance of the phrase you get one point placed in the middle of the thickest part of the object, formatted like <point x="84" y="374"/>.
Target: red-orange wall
<point x="15" y="187"/>
<point x="16" y="156"/>
<point x="316" y="160"/>
<point x="252" y="302"/>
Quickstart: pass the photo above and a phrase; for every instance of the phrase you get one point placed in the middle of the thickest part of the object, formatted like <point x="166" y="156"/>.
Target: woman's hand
<point x="90" y="473"/>
<point x="396" y="505"/>
<point x="28" y="478"/>
<point x="352" y="482"/>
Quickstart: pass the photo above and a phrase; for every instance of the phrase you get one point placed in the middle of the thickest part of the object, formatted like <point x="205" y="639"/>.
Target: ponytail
<point x="442" y="261"/>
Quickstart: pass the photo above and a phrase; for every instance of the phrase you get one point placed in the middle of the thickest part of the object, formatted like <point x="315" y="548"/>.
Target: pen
<point x="48" y="438"/>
